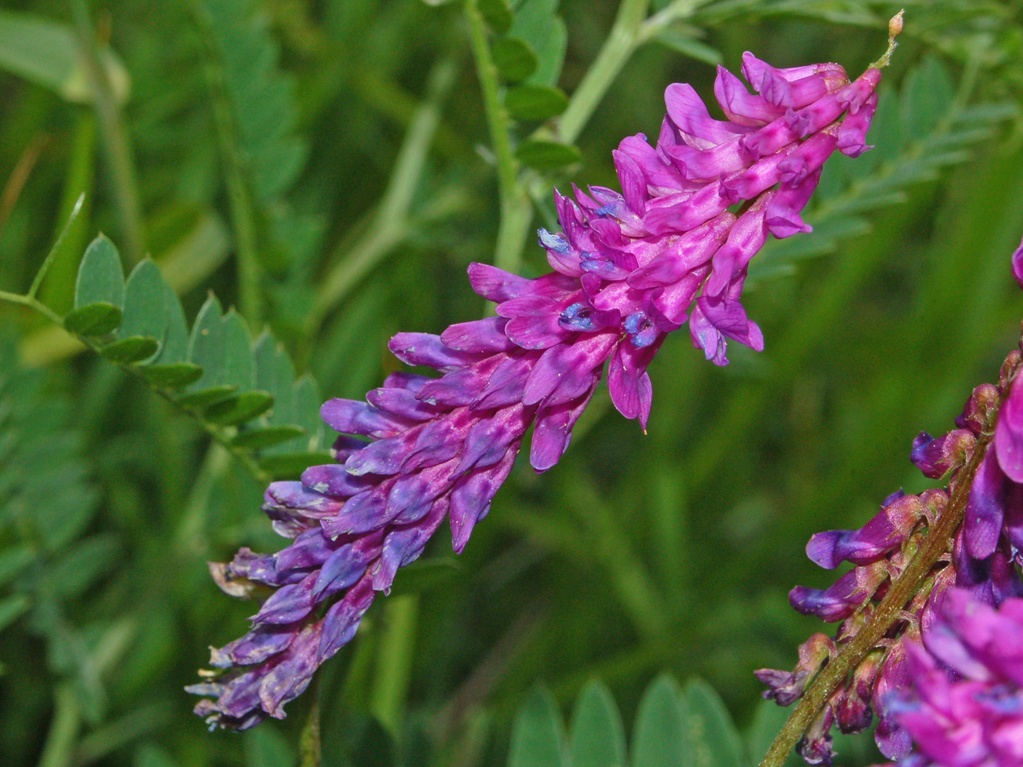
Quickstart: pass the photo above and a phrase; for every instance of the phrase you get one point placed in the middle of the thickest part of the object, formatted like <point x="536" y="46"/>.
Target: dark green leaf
<point x="538" y="737"/>
<point x="100" y="278"/>
<point x="130" y="350"/>
<point x="535" y="102"/>
<point x="93" y="320"/>
<point x="201" y="398"/>
<point x="291" y="465"/>
<point x="257" y="438"/>
<point x="547" y="155"/>
<point x="533" y="19"/>
<point x="172" y="376"/>
<point x="497" y="14"/>
<point x="514" y="58"/>
<point x="598" y="737"/>
<point x="239" y="408"/>
<point x="713" y="739"/>
<point x="206" y="345"/>
<point x="659" y="735"/>
<point x="238" y="364"/>
<point x="12" y="608"/>
<point x="551" y="55"/>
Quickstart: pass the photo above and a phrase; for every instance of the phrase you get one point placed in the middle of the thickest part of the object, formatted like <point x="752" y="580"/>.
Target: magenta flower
<point x="629" y="268"/>
<point x="963" y="701"/>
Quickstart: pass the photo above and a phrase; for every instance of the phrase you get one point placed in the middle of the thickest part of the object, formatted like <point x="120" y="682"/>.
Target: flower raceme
<point x="629" y="268"/>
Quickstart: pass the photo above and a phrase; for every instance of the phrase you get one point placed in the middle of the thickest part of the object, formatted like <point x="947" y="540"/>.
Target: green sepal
<point x="93" y="320"/>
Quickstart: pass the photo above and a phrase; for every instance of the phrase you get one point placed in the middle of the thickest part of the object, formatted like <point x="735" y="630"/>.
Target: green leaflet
<point x="538" y="736"/>
<point x="529" y="51"/>
<point x="598" y="736"/>
<point x="674" y="727"/>
<point x="244" y="392"/>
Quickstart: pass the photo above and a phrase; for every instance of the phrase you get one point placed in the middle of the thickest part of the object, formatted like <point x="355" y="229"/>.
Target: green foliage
<point x="243" y="391"/>
<point x="49" y="557"/>
<point x="674" y="727"/>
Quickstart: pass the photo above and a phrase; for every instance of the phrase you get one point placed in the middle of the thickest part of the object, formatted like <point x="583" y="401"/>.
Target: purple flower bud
<point x="937" y="457"/>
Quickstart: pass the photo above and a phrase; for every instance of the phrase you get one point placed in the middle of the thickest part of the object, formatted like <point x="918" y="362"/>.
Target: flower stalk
<point x="889" y="611"/>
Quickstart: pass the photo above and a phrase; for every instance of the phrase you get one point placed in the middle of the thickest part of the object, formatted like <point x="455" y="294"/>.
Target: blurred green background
<point x="327" y="167"/>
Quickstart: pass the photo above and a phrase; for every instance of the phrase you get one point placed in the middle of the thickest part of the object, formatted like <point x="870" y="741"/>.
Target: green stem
<point x="394" y="662"/>
<point x="390" y="224"/>
<point x="621" y="43"/>
<point x="889" y="611"/>
<point x="309" y="748"/>
<point x="242" y="211"/>
<point x="116" y="142"/>
<point x="63" y="732"/>
<point x="516" y="207"/>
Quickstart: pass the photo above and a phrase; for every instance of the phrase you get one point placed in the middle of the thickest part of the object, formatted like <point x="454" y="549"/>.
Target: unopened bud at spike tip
<point x="895" y="24"/>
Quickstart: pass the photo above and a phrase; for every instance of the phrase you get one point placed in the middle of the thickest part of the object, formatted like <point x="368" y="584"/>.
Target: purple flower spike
<point x="629" y="268"/>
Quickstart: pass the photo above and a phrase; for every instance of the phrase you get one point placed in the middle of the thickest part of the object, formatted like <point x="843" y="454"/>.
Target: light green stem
<point x="618" y="48"/>
<point x="394" y="662"/>
<point x="390" y="224"/>
<point x="116" y="142"/>
<point x="242" y="209"/>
